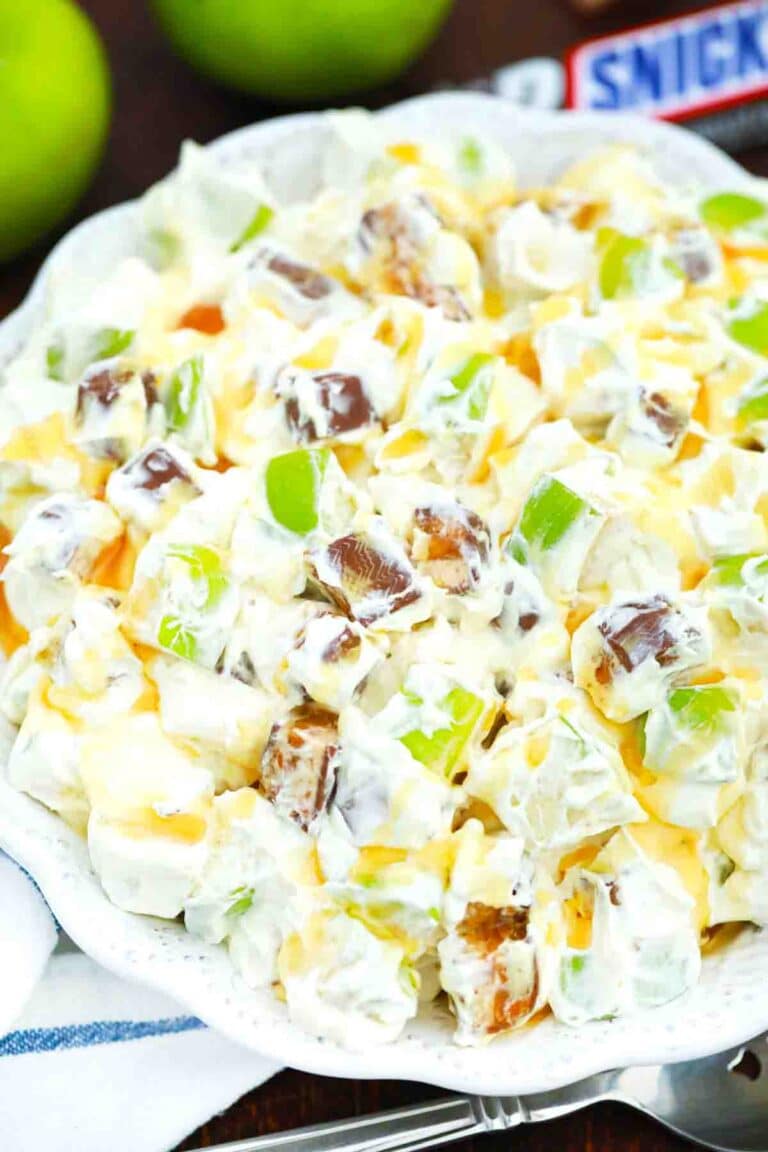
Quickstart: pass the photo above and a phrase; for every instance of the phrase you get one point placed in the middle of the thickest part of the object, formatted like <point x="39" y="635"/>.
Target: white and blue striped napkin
<point x="89" y="1061"/>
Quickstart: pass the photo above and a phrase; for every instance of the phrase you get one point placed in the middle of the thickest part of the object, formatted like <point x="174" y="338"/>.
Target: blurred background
<point x="159" y="63"/>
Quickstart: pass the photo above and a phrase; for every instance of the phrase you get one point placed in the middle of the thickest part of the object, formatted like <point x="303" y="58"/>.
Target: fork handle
<point x="418" y="1126"/>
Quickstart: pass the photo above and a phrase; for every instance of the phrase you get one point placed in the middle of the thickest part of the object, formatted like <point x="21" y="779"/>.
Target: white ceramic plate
<point x="731" y="1002"/>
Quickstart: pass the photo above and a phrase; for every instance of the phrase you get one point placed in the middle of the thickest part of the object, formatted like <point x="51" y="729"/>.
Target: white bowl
<point x="731" y="1002"/>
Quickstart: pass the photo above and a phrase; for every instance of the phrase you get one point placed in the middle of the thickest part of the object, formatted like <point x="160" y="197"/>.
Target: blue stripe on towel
<point x="99" y="1032"/>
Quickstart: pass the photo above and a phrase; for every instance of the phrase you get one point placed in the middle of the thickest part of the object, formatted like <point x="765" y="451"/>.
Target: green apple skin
<point x="54" y="115"/>
<point x="293" y="51"/>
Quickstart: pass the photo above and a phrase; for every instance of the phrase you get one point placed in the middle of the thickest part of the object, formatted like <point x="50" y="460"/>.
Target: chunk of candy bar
<point x="451" y="544"/>
<point x="306" y="281"/>
<point x="625" y="655"/>
<point x="299" y="765"/>
<point x="325" y="404"/>
<point x="488" y="967"/>
<point x="366" y="580"/>
<point x="152" y="485"/>
<point x="112" y="411"/>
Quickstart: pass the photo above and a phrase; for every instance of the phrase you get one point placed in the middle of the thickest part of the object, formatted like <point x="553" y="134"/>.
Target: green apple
<point x="441" y="750"/>
<point x="749" y="325"/>
<point x="299" y="50"/>
<point x="728" y="211"/>
<point x="293" y="482"/>
<point x="472" y="381"/>
<point x="621" y="260"/>
<point x="54" y="115"/>
<point x="550" y="512"/>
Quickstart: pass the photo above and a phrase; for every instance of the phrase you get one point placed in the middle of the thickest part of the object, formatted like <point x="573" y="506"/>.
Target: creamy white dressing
<point x="358" y="548"/>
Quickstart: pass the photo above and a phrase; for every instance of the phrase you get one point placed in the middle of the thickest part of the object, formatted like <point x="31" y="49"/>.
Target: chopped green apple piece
<point x="623" y="260"/>
<point x="470" y="156"/>
<point x="701" y="709"/>
<point x="204" y="566"/>
<point x="726" y="211"/>
<point x="576" y="974"/>
<point x="258" y="222"/>
<point x="111" y="342"/>
<point x="184" y="394"/>
<point x="242" y="900"/>
<point x="550" y="511"/>
<point x="750" y="328"/>
<point x="441" y="750"/>
<point x="293" y="482"/>
<point x="173" y="635"/>
<point x="752" y="407"/>
<point x="54" y="361"/>
<point x="727" y="570"/>
<point x="472" y="381"/>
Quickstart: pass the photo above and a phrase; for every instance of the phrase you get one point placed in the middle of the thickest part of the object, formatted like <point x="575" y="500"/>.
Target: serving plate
<point x="731" y="1002"/>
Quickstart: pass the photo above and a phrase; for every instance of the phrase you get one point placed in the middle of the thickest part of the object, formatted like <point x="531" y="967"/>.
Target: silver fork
<point x="720" y="1101"/>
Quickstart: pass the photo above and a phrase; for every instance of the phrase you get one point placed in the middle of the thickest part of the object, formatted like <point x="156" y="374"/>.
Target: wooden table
<point x="158" y="102"/>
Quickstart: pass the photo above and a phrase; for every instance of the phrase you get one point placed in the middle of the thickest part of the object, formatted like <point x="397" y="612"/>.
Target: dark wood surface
<point x="158" y="102"/>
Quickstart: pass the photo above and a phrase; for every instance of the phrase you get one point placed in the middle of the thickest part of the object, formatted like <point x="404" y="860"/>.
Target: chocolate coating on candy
<point x="342" y="645"/>
<point x="156" y="467"/>
<point x="149" y="380"/>
<point x="343" y="398"/>
<point x="242" y="669"/>
<point x="522" y="616"/>
<point x="390" y="224"/>
<point x="660" y="412"/>
<point x="443" y="296"/>
<point x="371" y="584"/>
<point x="300" y="763"/>
<point x="457" y="546"/>
<point x="97" y="395"/>
<point x="508" y="999"/>
<point x="691" y="254"/>
<point x="307" y="281"/>
<point x="649" y="629"/>
<point x="528" y="620"/>
<point x="103" y="388"/>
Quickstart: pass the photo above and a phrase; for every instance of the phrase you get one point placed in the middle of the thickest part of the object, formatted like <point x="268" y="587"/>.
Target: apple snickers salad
<point x="385" y="576"/>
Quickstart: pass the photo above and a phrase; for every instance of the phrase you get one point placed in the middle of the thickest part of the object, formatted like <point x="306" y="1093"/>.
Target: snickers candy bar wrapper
<point x="707" y="69"/>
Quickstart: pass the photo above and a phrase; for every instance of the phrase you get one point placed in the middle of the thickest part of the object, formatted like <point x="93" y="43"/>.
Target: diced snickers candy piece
<point x="340" y="397"/>
<point x="669" y="422"/>
<point x="156" y="478"/>
<point x="443" y="296"/>
<point x="635" y="633"/>
<point x="300" y="763"/>
<point x="363" y="580"/>
<point x="403" y="229"/>
<point x="308" y="282"/>
<point x="111" y="412"/>
<point x="495" y="946"/>
<point x="101" y="389"/>
<point x="626" y="654"/>
<point x="153" y="469"/>
<point x="451" y="544"/>
<point x="694" y="252"/>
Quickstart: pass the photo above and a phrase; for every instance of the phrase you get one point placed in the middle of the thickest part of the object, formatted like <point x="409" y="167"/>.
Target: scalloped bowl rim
<point x="724" y="1010"/>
